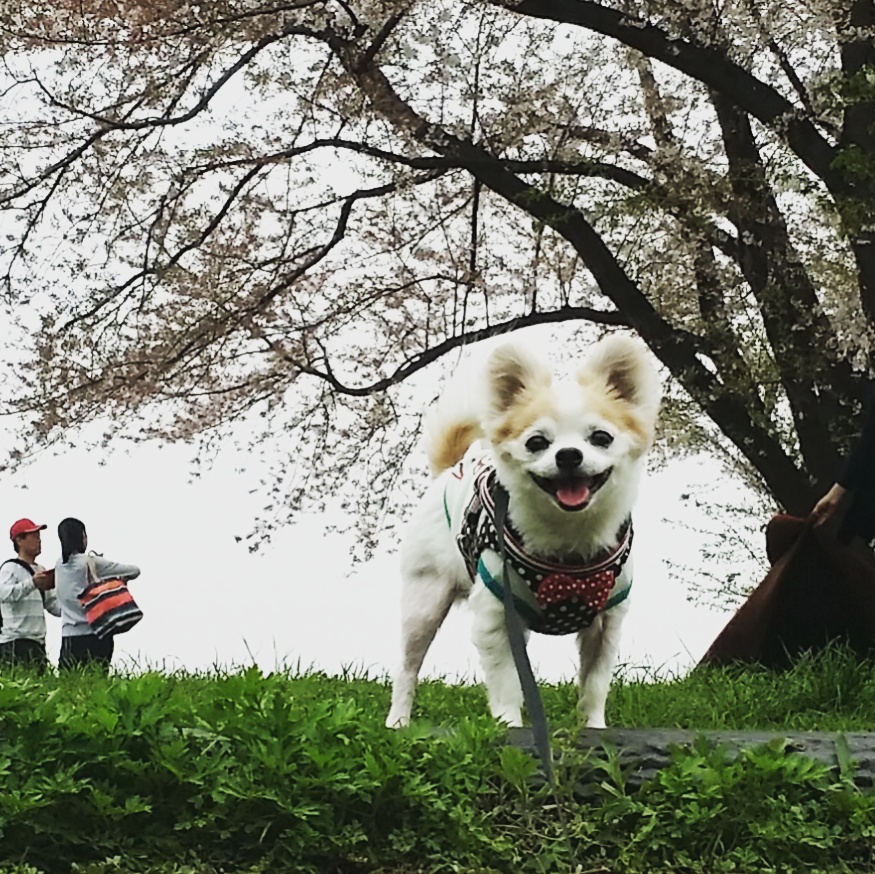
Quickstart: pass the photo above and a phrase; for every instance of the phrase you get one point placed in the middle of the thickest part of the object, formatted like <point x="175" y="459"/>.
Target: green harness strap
<point x="497" y="589"/>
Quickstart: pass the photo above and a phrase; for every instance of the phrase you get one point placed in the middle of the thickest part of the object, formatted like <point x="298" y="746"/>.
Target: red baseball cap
<point x="24" y="526"/>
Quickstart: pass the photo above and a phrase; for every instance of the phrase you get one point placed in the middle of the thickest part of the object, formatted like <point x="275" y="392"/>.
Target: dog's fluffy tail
<point x="451" y="426"/>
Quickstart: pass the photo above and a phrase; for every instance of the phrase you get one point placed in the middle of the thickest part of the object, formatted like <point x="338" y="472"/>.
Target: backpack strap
<point x="21" y="562"/>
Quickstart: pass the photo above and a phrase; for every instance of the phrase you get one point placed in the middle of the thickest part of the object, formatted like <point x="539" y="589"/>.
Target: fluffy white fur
<point x="616" y="392"/>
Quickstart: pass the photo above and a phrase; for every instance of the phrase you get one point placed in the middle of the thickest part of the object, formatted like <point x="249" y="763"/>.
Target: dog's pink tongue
<point x="573" y="494"/>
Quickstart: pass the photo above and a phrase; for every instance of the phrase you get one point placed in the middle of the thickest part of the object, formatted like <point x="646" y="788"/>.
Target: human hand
<point x="829" y="510"/>
<point x="44" y="580"/>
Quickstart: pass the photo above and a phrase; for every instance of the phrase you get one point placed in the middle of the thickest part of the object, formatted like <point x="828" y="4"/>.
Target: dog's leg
<point x="499" y="671"/>
<point x="599" y="645"/>
<point x="425" y="601"/>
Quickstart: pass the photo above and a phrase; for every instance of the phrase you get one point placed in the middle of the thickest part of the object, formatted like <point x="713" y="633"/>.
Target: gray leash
<point x="531" y="693"/>
<point x="516" y="636"/>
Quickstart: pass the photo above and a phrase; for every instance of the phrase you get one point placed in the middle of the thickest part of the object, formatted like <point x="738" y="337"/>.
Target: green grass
<point x="156" y="773"/>
<point x="831" y="692"/>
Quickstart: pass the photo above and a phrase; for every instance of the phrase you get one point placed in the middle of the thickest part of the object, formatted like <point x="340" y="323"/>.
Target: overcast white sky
<point x="208" y="601"/>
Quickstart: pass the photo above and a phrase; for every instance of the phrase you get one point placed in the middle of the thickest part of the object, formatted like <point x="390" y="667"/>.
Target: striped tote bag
<point x="109" y="607"/>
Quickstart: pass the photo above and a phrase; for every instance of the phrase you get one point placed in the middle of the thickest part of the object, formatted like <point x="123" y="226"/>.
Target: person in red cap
<point x="26" y="593"/>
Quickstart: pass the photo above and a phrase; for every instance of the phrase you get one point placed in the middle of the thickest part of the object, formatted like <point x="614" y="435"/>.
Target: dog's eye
<point x="601" y="439"/>
<point x="537" y="443"/>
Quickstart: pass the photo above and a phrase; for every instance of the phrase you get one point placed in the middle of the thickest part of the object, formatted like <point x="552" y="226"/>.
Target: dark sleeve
<point x="860" y="466"/>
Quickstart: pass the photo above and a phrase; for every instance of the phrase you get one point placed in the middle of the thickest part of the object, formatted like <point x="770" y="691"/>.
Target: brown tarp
<point x="816" y="591"/>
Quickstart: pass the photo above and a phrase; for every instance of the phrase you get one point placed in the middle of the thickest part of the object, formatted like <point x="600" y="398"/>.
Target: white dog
<point x="569" y="456"/>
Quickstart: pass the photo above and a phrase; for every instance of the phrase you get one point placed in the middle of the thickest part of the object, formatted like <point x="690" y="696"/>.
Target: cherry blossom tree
<point x="273" y="217"/>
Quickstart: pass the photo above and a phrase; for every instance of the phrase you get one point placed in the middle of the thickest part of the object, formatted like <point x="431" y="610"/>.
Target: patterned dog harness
<point x="551" y="598"/>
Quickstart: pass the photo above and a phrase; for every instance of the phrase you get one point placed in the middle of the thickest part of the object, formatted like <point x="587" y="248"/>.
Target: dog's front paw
<point x="511" y="717"/>
<point x="594" y="720"/>
<point x="397" y="721"/>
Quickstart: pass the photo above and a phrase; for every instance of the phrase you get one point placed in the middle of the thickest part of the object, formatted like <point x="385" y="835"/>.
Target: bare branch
<point x="432" y="354"/>
<point x="106" y="123"/>
<point x="707" y="65"/>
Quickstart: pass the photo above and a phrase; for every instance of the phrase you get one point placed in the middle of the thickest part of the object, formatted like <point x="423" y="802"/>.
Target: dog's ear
<point x="625" y="366"/>
<point x="513" y="372"/>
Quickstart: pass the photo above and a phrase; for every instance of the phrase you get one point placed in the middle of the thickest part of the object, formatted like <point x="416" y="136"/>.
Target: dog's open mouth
<point x="572" y="492"/>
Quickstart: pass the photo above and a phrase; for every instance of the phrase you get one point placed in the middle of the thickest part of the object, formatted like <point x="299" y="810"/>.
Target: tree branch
<point x="433" y="353"/>
<point x="710" y="66"/>
<point x="107" y="123"/>
<point x="601" y="169"/>
<point x="857" y="142"/>
<point x="797" y="329"/>
<point x="674" y="348"/>
<point x="707" y="65"/>
<point x="145" y="39"/>
<point x="609" y="139"/>
<point x="726" y="350"/>
<point x="787" y="67"/>
<point x="383" y="34"/>
<point x="245" y="313"/>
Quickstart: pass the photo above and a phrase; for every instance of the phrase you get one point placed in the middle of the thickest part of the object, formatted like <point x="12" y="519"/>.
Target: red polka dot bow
<point x="593" y="590"/>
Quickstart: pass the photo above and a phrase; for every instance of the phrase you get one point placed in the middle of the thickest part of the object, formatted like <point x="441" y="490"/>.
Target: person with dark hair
<point x="25" y="597"/>
<point x="74" y="572"/>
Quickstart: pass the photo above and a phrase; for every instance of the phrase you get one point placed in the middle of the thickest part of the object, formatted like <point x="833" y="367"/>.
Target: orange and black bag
<point x="109" y="606"/>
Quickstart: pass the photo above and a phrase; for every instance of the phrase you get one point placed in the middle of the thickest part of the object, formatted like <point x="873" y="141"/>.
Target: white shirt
<point x="21" y="605"/>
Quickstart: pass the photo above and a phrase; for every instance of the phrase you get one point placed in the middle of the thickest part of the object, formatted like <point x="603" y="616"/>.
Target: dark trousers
<point x="24" y="651"/>
<point x="86" y="651"/>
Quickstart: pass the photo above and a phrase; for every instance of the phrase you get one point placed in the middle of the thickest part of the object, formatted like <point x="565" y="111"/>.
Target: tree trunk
<point x="643" y="752"/>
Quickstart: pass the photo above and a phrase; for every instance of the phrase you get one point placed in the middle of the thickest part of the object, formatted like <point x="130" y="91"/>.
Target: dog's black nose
<point x="568" y="459"/>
